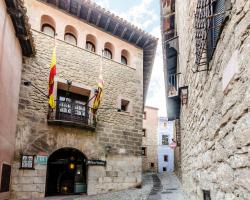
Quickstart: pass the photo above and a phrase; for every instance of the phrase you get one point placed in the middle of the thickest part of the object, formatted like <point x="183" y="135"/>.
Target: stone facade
<point x="214" y="125"/>
<point x="120" y="131"/>
<point x="150" y="140"/>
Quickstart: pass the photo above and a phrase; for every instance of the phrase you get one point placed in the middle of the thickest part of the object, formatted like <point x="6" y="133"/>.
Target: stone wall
<point x="121" y="131"/>
<point x="216" y="123"/>
<point x="150" y="124"/>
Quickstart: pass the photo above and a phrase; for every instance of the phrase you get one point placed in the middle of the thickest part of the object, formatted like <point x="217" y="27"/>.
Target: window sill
<point x="126" y="113"/>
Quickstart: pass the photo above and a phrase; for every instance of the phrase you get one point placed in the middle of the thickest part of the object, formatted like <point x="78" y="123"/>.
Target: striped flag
<point x="98" y="96"/>
<point x="52" y="74"/>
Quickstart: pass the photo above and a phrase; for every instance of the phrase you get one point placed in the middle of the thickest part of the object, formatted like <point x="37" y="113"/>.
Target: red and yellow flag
<point x="52" y="74"/>
<point x="99" y="94"/>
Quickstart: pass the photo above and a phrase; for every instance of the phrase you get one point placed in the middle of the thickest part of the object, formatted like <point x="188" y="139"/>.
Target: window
<point x="165" y="158"/>
<point x="164" y="169"/>
<point x="124" y="60"/>
<point x="144" y="132"/>
<point x="70" y="38"/>
<point x="107" y="53"/>
<point x="165" y="124"/>
<point x="209" y="19"/>
<point x="144" y="115"/>
<point x="5" y="179"/>
<point x="152" y="164"/>
<point x="48" y="29"/>
<point x="165" y="140"/>
<point x="124" y="105"/>
<point x="206" y="195"/>
<point x="71" y="106"/>
<point x="143" y="151"/>
<point x="90" y="46"/>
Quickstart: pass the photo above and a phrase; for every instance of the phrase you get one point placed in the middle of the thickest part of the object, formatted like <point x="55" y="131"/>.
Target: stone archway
<point x="66" y="172"/>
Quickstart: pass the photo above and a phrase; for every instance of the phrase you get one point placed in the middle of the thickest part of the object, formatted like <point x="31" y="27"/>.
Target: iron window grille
<point x="165" y="140"/>
<point x="90" y="46"/>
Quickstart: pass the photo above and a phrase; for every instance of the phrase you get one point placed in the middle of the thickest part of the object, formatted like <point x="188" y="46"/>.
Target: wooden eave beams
<point x="115" y="29"/>
<point x="89" y="13"/>
<point x="98" y="19"/>
<point x="124" y="31"/>
<point x="107" y="24"/>
<point x="132" y="34"/>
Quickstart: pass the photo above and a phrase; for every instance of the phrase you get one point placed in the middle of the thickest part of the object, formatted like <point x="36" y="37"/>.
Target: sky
<point x="146" y="15"/>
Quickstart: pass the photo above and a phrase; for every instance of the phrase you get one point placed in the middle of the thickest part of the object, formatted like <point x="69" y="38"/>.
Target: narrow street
<point x="155" y="187"/>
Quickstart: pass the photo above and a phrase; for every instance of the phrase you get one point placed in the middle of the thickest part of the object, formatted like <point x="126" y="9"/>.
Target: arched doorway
<point x="66" y="172"/>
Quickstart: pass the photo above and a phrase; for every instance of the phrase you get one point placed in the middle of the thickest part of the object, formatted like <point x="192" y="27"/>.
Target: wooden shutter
<point x="5" y="179"/>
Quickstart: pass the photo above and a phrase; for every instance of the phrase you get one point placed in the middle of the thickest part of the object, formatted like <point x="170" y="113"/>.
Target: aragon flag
<point x="98" y="96"/>
<point x="52" y="74"/>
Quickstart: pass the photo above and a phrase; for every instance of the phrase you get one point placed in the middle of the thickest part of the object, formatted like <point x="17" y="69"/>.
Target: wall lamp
<point x="29" y="83"/>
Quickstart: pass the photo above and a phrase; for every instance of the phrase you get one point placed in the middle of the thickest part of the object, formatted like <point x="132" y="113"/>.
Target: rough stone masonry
<point x="120" y="130"/>
<point x="215" y="126"/>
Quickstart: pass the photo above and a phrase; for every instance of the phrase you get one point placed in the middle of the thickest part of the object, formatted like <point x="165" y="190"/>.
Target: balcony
<point x="72" y="113"/>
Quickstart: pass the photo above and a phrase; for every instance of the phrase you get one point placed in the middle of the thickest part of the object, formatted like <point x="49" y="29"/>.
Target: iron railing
<point x="173" y="84"/>
<point x="72" y="113"/>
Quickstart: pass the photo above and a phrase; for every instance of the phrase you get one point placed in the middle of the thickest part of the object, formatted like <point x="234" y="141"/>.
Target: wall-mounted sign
<point x="96" y="162"/>
<point x="42" y="160"/>
<point x="27" y="162"/>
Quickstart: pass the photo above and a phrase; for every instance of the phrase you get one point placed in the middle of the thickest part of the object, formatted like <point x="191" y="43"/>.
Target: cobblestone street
<point x="155" y="187"/>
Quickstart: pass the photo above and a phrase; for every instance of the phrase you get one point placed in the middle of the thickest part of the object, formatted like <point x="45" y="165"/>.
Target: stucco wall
<point x="215" y="124"/>
<point x="151" y="139"/>
<point x="165" y="149"/>
<point x="10" y="76"/>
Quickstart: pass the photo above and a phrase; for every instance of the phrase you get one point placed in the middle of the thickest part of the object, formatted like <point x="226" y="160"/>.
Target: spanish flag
<point x="98" y="96"/>
<point x="51" y="79"/>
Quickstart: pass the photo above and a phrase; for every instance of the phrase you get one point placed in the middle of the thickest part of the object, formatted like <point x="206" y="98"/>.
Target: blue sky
<point x="146" y="15"/>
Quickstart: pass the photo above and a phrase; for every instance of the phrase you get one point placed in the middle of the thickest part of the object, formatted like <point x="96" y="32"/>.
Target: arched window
<point x="107" y="53"/>
<point x="90" y="42"/>
<point x="90" y="46"/>
<point x="124" y="60"/>
<point x="70" y="38"/>
<point x="125" y="57"/>
<point x="70" y="35"/>
<point x="48" y="25"/>
<point x="48" y="29"/>
<point x="109" y="50"/>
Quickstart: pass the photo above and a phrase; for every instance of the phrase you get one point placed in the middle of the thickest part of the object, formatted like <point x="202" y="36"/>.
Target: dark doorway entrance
<point x="66" y="172"/>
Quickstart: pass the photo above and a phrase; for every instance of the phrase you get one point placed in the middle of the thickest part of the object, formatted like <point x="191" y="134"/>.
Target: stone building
<point x="165" y="153"/>
<point x="150" y="139"/>
<point x="64" y="151"/>
<point x="15" y="39"/>
<point x="207" y="73"/>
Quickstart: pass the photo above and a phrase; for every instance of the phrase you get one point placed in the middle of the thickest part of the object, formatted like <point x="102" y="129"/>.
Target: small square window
<point x="165" y="140"/>
<point x="143" y="151"/>
<point x="152" y="164"/>
<point x="164" y="169"/>
<point x="144" y="132"/>
<point x="206" y="195"/>
<point x="144" y="115"/>
<point x="165" y="158"/>
<point x="5" y="179"/>
<point x="165" y="124"/>
<point x="124" y="105"/>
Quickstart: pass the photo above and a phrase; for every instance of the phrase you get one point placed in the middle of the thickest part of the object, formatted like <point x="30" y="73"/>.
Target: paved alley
<point x="155" y="187"/>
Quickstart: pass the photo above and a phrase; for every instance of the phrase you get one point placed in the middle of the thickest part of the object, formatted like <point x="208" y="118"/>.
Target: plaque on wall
<point x="27" y="162"/>
<point x="96" y="162"/>
<point x="42" y="160"/>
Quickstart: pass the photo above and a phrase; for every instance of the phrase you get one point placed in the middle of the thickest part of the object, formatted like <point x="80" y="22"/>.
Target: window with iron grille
<point x="144" y="132"/>
<point x="165" y="158"/>
<point x="209" y="19"/>
<point x="152" y="164"/>
<point x="5" y="178"/>
<point x="143" y="151"/>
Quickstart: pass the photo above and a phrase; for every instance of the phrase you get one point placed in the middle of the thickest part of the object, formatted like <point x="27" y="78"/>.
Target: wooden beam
<point x="145" y="43"/>
<point x="68" y="5"/>
<point x="124" y="31"/>
<point x="22" y="37"/>
<point x="98" y="19"/>
<point x="57" y="3"/>
<point x="107" y="23"/>
<point x="116" y="27"/>
<point x="79" y="6"/>
<point x="132" y="34"/>
<point x="89" y="13"/>
<point x="138" y="40"/>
